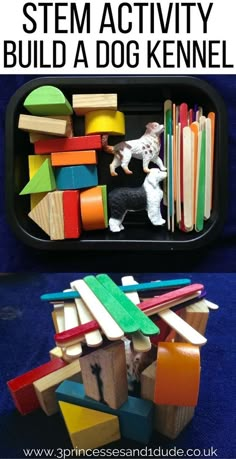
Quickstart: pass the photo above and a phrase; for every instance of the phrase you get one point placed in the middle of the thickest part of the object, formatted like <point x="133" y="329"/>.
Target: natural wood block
<point x="74" y="158"/>
<point x="147" y="380"/>
<point x="46" y="386"/>
<point x="56" y="217"/>
<point x="171" y="420"/>
<point x="135" y="415"/>
<point x="195" y="315"/>
<point x="88" y="428"/>
<point x="55" y="353"/>
<point x="90" y="142"/>
<point x="34" y="136"/>
<point x="84" y="103"/>
<point x="40" y="214"/>
<point x="104" y="374"/>
<point x="22" y="388"/>
<point x="44" y="125"/>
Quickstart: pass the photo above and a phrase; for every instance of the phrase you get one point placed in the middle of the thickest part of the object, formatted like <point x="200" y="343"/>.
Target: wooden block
<point x="195" y="315"/>
<point x="74" y="158"/>
<point x="178" y="374"/>
<point x="44" y="125"/>
<point x="89" y="429"/>
<point x="34" y="163"/>
<point x="91" y="142"/>
<point x="104" y="374"/>
<point x="147" y="380"/>
<point x="34" y="136"/>
<point x="42" y="181"/>
<point x="171" y="420"/>
<point x="71" y="212"/>
<point x="56" y="217"/>
<point x="76" y="177"/>
<point x="22" y="389"/>
<point x="135" y="415"/>
<point x="93" y="212"/>
<point x="40" y="214"/>
<point x="55" y="353"/>
<point x="84" y="103"/>
<point x="47" y="100"/>
<point x="45" y="387"/>
<point x="105" y="122"/>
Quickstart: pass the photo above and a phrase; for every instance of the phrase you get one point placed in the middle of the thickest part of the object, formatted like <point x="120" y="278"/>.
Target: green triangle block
<point x="47" y="101"/>
<point x="42" y="181"/>
<point x="104" y="200"/>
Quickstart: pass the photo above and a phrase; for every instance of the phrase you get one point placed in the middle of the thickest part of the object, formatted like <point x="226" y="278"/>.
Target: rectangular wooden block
<point x="104" y="374"/>
<point x="84" y="103"/>
<point x="55" y="353"/>
<point x="56" y="217"/>
<point x="44" y="125"/>
<point x="89" y="429"/>
<point x="89" y="142"/>
<point x="147" y="380"/>
<point x="135" y="415"/>
<point x="76" y="177"/>
<point x="22" y="388"/>
<point x="45" y="387"/>
<point x="71" y="211"/>
<point x="195" y="315"/>
<point x="74" y="158"/>
<point x="171" y="420"/>
<point x="34" y="136"/>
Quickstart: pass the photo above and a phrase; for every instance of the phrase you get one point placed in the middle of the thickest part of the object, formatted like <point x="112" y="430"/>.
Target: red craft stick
<point x="22" y="389"/>
<point x="76" y="332"/>
<point x="71" y="211"/>
<point x="89" y="142"/>
<point x="181" y="294"/>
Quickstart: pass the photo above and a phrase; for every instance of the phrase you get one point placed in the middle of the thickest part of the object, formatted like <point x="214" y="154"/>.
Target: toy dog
<point x="146" y="148"/>
<point x="147" y="197"/>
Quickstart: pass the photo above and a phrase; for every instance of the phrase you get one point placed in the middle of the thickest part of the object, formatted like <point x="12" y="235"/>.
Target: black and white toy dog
<point x="147" y="197"/>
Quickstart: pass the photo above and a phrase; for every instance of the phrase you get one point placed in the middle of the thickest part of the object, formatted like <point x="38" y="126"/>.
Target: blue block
<point x="135" y="415"/>
<point x="76" y="177"/>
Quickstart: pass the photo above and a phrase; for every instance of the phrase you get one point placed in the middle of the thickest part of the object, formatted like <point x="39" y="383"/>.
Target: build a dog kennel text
<point x="88" y="35"/>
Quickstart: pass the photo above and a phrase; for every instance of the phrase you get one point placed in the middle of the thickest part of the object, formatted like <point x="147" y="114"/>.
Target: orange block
<point x="74" y="158"/>
<point x="178" y="374"/>
<point x="92" y="209"/>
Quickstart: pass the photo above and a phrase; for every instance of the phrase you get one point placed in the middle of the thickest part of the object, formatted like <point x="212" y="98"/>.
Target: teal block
<point x="76" y="177"/>
<point x="135" y="415"/>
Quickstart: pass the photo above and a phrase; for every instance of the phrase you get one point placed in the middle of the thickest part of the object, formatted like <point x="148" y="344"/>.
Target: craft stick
<point x="146" y="326"/>
<point x="195" y="131"/>
<point x="211" y="116"/>
<point x="209" y="173"/>
<point x="211" y="305"/>
<point x="167" y="108"/>
<point x="183" y="114"/>
<point x="201" y="183"/>
<point x="108" y="325"/>
<point x="169" y="166"/>
<point x="113" y="307"/>
<point x="178" y="190"/>
<point x="67" y="318"/>
<point x="170" y="296"/>
<point x="182" y="327"/>
<point x="174" y="152"/>
<point x="140" y="342"/>
<point x="93" y="338"/>
<point x="160" y="285"/>
<point x="187" y="179"/>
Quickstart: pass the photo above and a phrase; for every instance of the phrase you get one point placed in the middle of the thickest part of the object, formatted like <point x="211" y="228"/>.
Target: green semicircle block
<point x="47" y="101"/>
<point x="42" y="181"/>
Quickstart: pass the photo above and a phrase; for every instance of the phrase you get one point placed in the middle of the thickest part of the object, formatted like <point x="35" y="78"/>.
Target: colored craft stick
<point x="145" y="286"/>
<point x="211" y="116"/>
<point x="106" y="322"/>
<point x="201" y="184"/>
<point x="119" y="314"/>
<point x="167" y="109"/>
<point x="187" y="178"/>
<point x="91" y="142"/>
<point x="209" y="172"/>
<point x="147" y="327"/>
<point x="170" y="296"/>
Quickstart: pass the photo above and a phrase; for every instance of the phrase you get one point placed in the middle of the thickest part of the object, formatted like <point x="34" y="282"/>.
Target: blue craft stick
<point x="161" y="285"/>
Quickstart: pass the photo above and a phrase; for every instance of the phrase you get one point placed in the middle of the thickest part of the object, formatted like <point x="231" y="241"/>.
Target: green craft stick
<point x="42" y="181"/>
<point x="119" y="314"/>
<point x="201" y="185"/>
<point x="146" y="326"/>
<point x="47" y="101"/>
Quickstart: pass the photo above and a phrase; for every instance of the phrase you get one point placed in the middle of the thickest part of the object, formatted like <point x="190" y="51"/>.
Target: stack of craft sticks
<point x="87" y="378"/>
<point x="189" y="155"/>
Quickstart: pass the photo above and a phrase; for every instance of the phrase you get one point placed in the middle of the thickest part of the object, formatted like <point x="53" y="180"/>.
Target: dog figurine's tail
<point x="109" y="148"/>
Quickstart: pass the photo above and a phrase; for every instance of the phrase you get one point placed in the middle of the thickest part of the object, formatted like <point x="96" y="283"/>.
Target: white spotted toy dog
<point x="147" y="197"/>
<point x="146" y="148"/>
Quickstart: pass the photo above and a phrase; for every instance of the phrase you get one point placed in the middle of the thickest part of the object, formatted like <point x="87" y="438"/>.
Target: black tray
<point x="141" y="99"/>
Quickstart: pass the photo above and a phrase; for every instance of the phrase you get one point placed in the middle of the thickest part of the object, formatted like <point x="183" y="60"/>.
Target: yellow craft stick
<point x="100" y="314"/>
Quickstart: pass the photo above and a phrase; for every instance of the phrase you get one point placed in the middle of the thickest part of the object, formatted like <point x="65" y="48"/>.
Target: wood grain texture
<point x="56" y="217"/>
<point x="44" y="125"/>
<point x="84" y="103"/>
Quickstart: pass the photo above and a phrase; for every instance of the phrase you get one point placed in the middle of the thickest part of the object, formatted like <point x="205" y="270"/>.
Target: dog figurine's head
<point x="154" y="128"/>
<point x="155" y="176"/>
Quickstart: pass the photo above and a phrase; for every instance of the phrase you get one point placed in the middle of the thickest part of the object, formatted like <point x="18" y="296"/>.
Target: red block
<point x="22" y="389"/>
<point x="71" y="210"/>
<point x="86" y="142"/>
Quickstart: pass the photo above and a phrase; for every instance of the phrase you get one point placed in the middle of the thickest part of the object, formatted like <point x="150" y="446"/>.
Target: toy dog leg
<point x="145" y="165"/>
<point x="127" y="154"/>
<point x="156" y="218"/>
<point x="115" y="225"/>
<point x="160" y="164"/>
<point x="115" y="163"/>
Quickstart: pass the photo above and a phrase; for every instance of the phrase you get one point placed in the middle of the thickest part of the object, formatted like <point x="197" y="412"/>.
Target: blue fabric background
<point x="221" y="256"/>
<point x="26" y="332"/>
